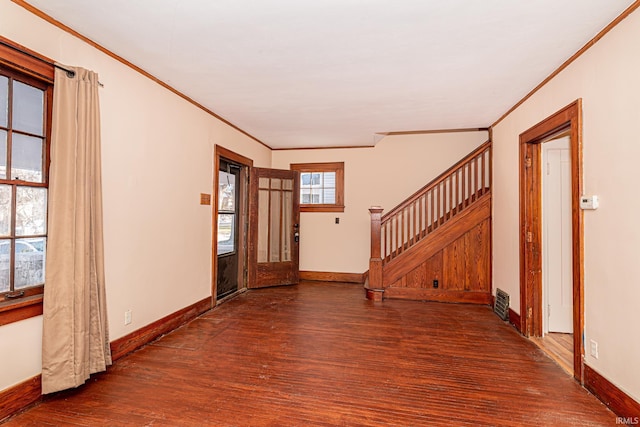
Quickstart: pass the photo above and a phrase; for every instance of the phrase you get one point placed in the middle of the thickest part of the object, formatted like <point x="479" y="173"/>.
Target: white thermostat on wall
<point x="588" y="202"/>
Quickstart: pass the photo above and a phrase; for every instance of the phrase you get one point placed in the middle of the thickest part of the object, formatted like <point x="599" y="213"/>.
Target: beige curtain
<point x="75" y="340"/>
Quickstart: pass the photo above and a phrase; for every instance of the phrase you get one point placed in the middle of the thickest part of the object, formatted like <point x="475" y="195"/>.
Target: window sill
<point x="321" y="208"/>
<point x="14" y="311"/>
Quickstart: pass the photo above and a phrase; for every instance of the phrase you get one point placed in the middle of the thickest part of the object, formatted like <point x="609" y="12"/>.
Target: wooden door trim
<point x="247" y="163"/>
<point x="568" y="119"/>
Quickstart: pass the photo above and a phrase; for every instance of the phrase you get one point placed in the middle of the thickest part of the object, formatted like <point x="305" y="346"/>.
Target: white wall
<point x="383" y="176"/>
<point x="607" y="78"/>
<point x="157" y="158"/>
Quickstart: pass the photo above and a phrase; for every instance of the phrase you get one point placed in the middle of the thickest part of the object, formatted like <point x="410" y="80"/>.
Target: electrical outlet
<point x="127" y="317"/>
<point x="593" y="349"/>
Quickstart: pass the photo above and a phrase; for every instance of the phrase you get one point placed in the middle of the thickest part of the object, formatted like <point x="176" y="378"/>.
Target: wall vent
<point x="501" y="307"/>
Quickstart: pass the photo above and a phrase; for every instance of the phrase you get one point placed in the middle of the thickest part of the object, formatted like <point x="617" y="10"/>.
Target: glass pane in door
<point x="287" y="206"/>
<point x="226" y="192"/>
<point x="274" y="232"/>
<point x="263" y="225"/>
<point x="226" y="233"/>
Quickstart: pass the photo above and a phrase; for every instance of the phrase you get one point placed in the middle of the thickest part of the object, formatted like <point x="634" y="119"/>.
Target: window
<point x="25" y="117"/>
<point x="321" y="186"/>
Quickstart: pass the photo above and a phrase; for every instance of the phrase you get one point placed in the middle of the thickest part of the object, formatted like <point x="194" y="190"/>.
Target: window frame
<point x="33" y="69"/>
<point x="338" y="168"/>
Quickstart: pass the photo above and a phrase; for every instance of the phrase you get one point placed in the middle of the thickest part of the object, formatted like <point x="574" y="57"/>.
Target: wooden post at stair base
<point x="375" y="289"/>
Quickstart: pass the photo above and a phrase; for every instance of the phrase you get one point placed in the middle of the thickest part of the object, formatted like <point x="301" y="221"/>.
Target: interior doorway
<point x="557" y="268"/>
<point x="230" y="223"/>
<point x="534" y="320"/>
<point x="557" y="284"/>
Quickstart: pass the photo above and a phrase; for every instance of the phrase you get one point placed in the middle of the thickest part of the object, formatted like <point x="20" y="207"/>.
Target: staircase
<point x="435" y="245"/>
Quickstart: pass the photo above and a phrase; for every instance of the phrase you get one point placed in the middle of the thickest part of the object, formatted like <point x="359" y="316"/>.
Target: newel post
<point x="375" y="288"/>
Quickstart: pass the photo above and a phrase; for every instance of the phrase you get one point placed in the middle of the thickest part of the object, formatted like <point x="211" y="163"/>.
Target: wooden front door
<point x="274" y="230"/>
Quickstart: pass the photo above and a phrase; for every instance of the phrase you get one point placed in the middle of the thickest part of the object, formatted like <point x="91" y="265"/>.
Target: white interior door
<point x="557" y="235"/>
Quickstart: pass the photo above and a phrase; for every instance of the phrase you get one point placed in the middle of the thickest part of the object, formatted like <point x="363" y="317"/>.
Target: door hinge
<point x="529" y="237"/>
<point x="529" y="312"/>
<point x="528" y="162"/>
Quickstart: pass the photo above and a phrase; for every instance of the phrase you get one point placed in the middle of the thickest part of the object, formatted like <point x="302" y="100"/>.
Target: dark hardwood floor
<point x="320" y="354"/>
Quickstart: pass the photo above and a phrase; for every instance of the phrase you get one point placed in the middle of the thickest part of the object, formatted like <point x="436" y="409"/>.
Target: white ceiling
<point x="309" y="73"/>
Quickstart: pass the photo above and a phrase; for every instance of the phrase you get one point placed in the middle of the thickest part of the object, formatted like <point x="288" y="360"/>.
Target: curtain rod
<point x="70" y="73"/>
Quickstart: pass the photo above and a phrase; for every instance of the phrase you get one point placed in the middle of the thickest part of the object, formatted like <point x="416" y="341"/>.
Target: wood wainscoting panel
<point x="617" y="400"/>
<point x="20" y="396"/>
<point x="145" y="335"/>
<point x="433" y="270"/>
<point x="417" y="278"/>
<point x="477" y="258"/>
<point x="453" y="262"/>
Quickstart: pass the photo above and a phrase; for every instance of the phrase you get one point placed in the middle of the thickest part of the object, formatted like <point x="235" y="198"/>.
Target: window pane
<point x="226" y="233"/>
<point x="5" y="264"/>
<point x="226" y="192"/>
<point x="329" y="180"/>
<point x="305" y="178"/>
<point x="30" y="259"/>
<point x="31" y="211"/>
<point x="263" y="225"/>
<point x="315" y="179"/>
<point x="5" y="210"/>
<point x="4" y="100"/>
<point x="274" y="229"/>
<point x="329" y="196"/>
<point x="26" y="158"/>
<point x="3" y="154"/>
<point x="28" y="108"/>
<point x="305" y="194"/>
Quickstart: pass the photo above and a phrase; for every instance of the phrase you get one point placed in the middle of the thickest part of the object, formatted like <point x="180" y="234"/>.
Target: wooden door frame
<point x="568" y="119"/>
<point x="247" y="164"/>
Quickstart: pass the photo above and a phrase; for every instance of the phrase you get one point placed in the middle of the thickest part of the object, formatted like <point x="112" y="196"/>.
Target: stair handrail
<point x="438" y="179"/>
<point x="444" y="197"/>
